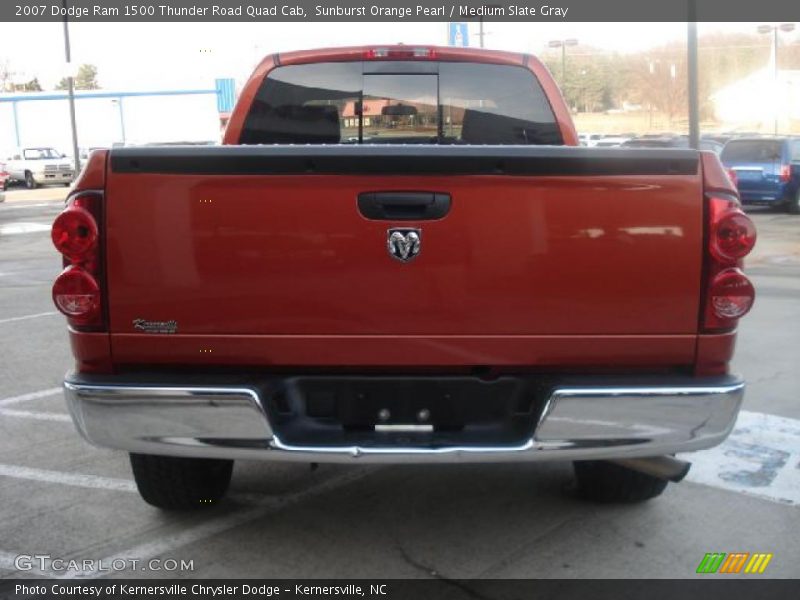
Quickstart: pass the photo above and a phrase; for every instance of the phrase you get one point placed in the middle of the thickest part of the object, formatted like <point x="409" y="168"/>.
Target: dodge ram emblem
<point x="403" y="244"/>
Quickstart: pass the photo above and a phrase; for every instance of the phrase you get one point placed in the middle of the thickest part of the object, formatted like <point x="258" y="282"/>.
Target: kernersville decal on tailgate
<point x="155" y="326"/>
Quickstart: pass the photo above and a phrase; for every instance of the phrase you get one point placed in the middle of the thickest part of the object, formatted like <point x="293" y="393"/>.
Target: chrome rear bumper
<point x="578" y="422"/>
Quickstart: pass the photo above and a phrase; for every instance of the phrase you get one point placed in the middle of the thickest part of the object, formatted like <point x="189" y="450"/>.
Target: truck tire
<point x="30" y="182"/>
<point x="175" y="483"/>
<point x="602" y="481"/>
<point x="793" y="206"/>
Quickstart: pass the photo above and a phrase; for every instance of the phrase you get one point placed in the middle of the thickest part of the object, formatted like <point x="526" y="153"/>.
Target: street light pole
<point x="71" y="93"/>
<point x="563" y="45"/>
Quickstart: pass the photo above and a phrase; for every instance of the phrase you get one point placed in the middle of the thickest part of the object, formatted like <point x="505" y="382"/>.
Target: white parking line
<point x="31" y="396"/>
<point x="222" y="524"/>
<point x="264" y="505"/>
<point x="40" y="416"/>
<point x="26" y="317"/>
<point x="119" y="485"/>
<point x="23" y="227"/>
<point x="760" y="458"/>
<point x="71" y="479"/>
<point x="54" y="204"/>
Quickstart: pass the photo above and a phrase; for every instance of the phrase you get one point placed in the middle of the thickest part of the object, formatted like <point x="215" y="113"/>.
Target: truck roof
<point x="403" y="52"/>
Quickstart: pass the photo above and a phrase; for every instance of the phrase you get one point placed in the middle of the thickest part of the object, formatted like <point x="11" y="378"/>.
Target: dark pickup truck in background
<point x="400" y="255"/>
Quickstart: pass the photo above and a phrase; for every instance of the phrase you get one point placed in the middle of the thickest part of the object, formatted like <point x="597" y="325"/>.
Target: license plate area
<point x="749" y="174"/>
<point x="416" y="411"/>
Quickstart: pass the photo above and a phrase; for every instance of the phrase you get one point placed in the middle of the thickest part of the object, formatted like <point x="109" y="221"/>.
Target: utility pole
<point x="71" y="93"/>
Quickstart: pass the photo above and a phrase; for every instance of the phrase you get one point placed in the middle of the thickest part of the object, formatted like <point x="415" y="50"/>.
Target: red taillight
<point x="400" y="53"/>
<point x="74" y="233"/>
<point x="731" y="236"/>
<point x="77" y="292"/>
<point x="77" y="295"/>
<point x="731" y="296"/>
<point x="786" y="173"/>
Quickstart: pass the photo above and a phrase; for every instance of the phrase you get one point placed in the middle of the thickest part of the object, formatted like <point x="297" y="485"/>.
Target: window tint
<point x="465" y="103"/>
<point x="306" y="104"/>
<point x="752" y="150"/>
<point x="796" y="150"/>
<point x="40" y="153"/>
<point x="494" y="104"/>
<point x="400" y="109"/>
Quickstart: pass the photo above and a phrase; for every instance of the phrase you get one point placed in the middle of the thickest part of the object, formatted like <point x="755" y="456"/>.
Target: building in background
<point x="107" y="118"/>
<point x="752" y="102"/>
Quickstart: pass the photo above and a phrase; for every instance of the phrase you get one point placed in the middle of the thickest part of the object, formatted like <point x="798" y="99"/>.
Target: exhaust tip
<point x="662" y="467"/>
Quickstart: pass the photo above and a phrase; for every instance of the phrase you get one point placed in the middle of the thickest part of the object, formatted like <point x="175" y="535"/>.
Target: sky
<point x="140" y="56"/>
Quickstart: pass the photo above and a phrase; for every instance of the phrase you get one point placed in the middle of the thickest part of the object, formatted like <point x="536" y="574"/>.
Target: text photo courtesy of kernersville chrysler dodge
<point x="400" y="254"/>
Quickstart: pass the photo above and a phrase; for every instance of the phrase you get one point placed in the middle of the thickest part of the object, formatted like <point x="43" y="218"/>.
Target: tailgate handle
<point x="403" y="206"/>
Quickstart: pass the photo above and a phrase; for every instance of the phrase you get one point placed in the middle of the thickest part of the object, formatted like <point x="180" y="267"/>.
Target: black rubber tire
<point x="175" y="483"/>
<point x="606" y="482"/>
<point x="30" y="182"/>
<point x="793" y="206"/>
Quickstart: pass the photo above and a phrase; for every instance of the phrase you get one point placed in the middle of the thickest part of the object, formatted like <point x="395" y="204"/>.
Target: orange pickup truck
<point x="400" y="254"/>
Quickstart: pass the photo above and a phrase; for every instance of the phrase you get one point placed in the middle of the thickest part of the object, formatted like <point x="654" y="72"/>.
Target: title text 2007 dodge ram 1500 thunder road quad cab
<point x="400" y="255"/>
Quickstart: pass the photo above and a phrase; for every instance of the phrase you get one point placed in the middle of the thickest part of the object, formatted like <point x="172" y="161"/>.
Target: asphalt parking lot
<point x="63" y="498"/>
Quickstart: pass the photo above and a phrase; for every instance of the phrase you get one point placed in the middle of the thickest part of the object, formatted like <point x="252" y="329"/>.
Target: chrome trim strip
<point x="577" y="423"/>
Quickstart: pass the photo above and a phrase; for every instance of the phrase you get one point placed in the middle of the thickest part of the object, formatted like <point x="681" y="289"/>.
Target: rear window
<point x="752" y="151"/>
<point x="449" y="103"/>
<point x="796" y="150"/>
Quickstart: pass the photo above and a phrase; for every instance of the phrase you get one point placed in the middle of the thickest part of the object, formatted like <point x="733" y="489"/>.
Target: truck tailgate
<point x="260" y="255"/>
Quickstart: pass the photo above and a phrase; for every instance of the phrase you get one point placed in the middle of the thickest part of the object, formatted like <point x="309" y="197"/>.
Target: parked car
<point x="720" y="138"/>
<point x="590" y="139"/>
<point x="678" y="141"/>
<point x="37" y="166"/>
<point x="611" y="141"/>
<point x="711" y="146"/>
<point x="3" y="181"/>
<point x="480" y="290"/>
<point x="655" y="142"/>
<point x="766" y="170"/>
